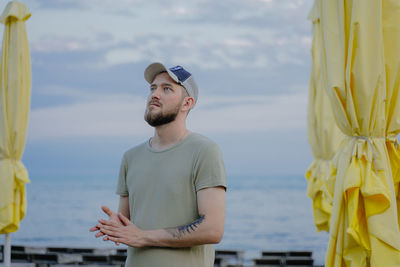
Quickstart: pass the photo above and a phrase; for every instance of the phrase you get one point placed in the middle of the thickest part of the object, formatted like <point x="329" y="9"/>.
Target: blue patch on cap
<point x="181" y="73"/>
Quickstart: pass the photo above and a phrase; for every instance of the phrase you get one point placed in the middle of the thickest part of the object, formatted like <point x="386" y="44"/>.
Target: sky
<point x="250" y="58"/>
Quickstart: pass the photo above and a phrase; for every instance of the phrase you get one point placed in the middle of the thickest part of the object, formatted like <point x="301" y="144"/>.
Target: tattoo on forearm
<point x="180" y="231"/>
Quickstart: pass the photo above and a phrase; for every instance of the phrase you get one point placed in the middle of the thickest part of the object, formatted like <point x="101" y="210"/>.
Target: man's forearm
<point x="179" y="232"/>
<point x="208" y="228"/>
<point x="200" y="231"/>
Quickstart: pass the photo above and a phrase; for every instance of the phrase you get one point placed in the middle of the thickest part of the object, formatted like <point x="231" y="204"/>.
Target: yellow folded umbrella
<point x="391" y="37"/>
<point x="323" y="134"/>
<point x="15" y="87"/>
<point x="361" y="64"/>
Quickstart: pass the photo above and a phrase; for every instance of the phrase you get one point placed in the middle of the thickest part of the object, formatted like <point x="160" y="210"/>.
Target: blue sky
<point x="250" y="58"/>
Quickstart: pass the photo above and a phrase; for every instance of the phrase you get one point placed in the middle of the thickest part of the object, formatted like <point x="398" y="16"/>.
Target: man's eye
<point x="167" y="88"/>
<point x="152" y="89"/>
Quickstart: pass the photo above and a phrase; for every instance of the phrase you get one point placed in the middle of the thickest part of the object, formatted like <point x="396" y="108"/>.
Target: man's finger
<point x="94" y="228"/>
<point x="108" y="232"/>
<point x="99" y="234"/>
<point x="105" y="222"/>
<point x="107" y="210"/>
<point x="115" y="239"/>
<point x="106" y="227"/>
<point x="123" y="219"/>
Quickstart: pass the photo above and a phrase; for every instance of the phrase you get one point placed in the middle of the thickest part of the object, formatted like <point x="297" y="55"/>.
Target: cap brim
<point x="152" y="70"/>
<point x="155" y="68"/>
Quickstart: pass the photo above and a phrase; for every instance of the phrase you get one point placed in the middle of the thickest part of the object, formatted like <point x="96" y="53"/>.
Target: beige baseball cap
<point x="177" y="73"/>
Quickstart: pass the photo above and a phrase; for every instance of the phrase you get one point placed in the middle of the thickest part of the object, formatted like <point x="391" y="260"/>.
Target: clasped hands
<point x="119" y="229"/>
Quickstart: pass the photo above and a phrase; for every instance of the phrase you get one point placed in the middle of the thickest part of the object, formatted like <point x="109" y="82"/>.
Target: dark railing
<point x="63" y="256"/>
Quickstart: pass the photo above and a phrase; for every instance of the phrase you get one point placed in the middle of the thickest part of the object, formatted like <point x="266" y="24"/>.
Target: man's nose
<point x="155" y="93"/>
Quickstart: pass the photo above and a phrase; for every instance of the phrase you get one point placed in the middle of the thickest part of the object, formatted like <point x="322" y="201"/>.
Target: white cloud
<point x="122" y="116"/>
<point x="178" y="10"/>
<point x="238" y="42"/>
<point x="121" y="56"/>
<point x="233" y="52"/>
<point x="212" y="34"/>
<point x="59" y="45"/>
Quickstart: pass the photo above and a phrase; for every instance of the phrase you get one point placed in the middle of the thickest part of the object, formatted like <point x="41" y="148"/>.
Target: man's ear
<point x="188" y="103"/>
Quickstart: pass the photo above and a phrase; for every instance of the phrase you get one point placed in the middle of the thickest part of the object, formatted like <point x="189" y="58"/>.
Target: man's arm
<point x="123" y="206"/>
<point x="207" y="229"/>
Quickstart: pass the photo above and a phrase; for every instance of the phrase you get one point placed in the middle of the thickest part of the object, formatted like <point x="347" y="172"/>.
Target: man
<point x="172" y="187"/>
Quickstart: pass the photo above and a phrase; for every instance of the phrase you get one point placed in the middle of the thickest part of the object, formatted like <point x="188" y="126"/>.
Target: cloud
<point x="59" y="4"/>
<point x="260" y="14"/>
<point x="79" y="4"/>
<point x="60" y="44"/>
<point x="177" y="11"/>
<point x="234" y="47"/>
<point x="210" y="34"/>
<point x="248" y="50"/>
<point x="123" y="56"/>
<point x="229" y="68"/>
<point x="64" y="91"/>
<point x="81" y="71"/>
<point x="116" y="116"/>
<point x="96" y="39"/>
<point x="251" y="51"/>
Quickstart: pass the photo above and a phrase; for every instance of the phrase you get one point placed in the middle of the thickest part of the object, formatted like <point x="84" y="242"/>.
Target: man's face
<point x="164" y="101"/>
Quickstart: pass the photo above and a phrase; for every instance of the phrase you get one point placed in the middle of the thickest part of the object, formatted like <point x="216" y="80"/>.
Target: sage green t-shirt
<point x="162" y="187"/>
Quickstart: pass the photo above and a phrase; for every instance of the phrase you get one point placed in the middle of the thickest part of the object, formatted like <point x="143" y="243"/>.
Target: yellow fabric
<point x="323" y="134"/>
<point x="391" y="37"/>
<point x="394" y="156"/>
<point x="362" y="74"/>
<point x="15" y="87"/>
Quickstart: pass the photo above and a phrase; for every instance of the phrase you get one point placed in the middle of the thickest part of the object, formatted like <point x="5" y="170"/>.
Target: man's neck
<point x="168" y="134"/>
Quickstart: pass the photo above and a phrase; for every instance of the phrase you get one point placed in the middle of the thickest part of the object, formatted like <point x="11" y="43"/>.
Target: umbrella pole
<point x="7" y="251"/>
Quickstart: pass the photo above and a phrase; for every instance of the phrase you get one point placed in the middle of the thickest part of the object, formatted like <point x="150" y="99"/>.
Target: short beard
<point x="161" y="118"/>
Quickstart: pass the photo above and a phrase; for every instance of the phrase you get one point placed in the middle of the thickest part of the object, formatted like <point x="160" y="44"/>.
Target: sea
<point x="263" y="213"/>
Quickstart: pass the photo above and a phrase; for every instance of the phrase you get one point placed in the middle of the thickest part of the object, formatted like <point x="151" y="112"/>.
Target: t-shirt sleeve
<point x="122" y="188"/>
<point x="209" y="168"/>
